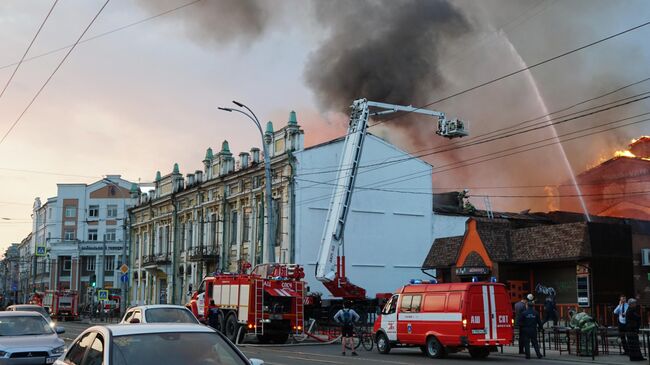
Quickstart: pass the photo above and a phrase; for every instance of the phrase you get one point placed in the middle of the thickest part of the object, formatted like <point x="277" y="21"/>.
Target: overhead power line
<point x="460" y="164"/>
<point x="549" y="123"/>
<point x="107" y="33"/>
<point x="4" y="137"/>
<point x="27" y="50"/>
<point x="518" y="71"/>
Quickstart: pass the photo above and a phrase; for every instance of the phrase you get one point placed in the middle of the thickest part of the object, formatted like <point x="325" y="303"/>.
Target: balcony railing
<point x="203" y="253"/>
<point x="163" y="258"/>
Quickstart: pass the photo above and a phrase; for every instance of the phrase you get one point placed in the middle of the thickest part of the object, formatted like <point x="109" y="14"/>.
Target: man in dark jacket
<point x="633" y="323"/>
<point x="520" y="307"/>
<point x="529" y="323"/>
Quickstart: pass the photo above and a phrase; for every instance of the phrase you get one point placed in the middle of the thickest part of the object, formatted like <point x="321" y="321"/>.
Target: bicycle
<point x="362" y="336"/>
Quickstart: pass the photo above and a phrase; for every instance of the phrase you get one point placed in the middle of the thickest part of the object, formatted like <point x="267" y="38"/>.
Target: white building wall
<point x="448" y="225"/>
<point x="388" y="234"/>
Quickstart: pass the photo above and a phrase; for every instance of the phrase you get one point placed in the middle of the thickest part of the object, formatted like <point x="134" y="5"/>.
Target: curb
<point x="573" y="359"/>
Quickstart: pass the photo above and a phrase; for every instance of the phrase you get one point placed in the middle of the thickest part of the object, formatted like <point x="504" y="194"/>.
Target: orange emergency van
<point x="446" y="318"/>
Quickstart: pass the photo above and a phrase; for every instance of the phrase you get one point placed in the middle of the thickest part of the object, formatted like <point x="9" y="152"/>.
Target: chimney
<point x="255" y="153"/>
<point x="199" y="176"/>
<point x="243" y="160"/>
<point x="190" y="180"/>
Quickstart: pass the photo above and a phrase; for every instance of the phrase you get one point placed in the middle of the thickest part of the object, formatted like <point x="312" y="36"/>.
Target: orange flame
<point x="624" y="153"/>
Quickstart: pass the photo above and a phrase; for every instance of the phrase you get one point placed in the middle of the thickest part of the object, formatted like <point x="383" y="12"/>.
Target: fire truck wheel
<point x="231" y="327"/>
<point x="383" y="345"/>
<point x="479" y="352"/>
<point x="434" y="348"/>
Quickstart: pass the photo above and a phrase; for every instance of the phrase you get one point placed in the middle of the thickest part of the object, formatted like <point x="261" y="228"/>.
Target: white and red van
<point x="446" y="318"/>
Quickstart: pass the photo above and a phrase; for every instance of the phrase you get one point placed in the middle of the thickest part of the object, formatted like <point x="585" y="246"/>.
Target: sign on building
<point x="40" y="250"/>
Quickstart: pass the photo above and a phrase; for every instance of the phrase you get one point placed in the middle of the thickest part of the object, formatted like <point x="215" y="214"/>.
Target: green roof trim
<point x="225" y="148"/>
<point x="176" y="169"/>
<point x="293" y="120"/>
<point x="208" y="154"/>
<point x="269" y="127"/>
<point x="134" y="188"/>
<point x="158" y="177"/>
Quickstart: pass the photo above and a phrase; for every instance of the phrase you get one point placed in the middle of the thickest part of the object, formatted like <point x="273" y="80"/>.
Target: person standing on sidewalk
<point x="620" y="310"/>
<point x="520" y="307"/>
<point x="346" y="318"/>
<point x="633" y="323"/>
<point x="529" y="324"/>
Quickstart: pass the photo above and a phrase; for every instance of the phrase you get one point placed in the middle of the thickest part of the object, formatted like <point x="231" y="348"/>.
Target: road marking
<point x="364" y="359"/>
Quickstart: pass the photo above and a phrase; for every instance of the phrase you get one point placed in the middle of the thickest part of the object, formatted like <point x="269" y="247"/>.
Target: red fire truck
<point x="268" y="302"/>
<point x="444" y="318"/>
<point x="63" y="304"/>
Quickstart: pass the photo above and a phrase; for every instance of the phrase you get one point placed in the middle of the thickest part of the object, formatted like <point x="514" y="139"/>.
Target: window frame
<point x="99" y="337"/>
<point x="110" y="232"/>
<point x="91" y="338"/>
<point x="93" y="211"/>
<point x="89" y="260"/>
<point x="109" y="263"/>
<point x="111" y="211"/>
<point x="69" y="234"/>
<point x="93" y="235"/>
<point x="70" y="208"/>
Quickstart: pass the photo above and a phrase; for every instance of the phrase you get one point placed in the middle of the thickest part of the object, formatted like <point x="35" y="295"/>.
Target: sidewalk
<point x="613" y="358"/>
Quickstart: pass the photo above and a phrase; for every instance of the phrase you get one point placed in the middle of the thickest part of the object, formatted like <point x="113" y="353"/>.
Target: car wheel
<point x="231" y="327"/>
<point x="434" y="348"/>
<point x="383" y="345"/>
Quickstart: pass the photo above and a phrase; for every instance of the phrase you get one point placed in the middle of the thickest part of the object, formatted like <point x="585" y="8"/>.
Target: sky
<point x="142" y="98"/>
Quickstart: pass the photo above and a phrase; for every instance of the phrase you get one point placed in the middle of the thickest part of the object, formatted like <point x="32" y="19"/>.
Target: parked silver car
<point x="154" y="344"/>
<point x="27" y="338"/>
<point x="32" y="308"/>
<point x="159" y="313"/>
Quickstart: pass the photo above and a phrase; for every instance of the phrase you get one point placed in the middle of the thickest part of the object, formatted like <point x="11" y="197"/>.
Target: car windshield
<point x="174" y="348"/>
<point x="24" y="326"/>
<point x="169" y="315"/>
<point x="40" y="310"/>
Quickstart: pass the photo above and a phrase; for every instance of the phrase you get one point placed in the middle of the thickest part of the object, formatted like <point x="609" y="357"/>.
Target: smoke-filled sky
<point x="141" y="98"/>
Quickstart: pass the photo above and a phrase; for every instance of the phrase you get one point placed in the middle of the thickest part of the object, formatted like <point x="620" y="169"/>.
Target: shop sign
<point x="470" y="271"/>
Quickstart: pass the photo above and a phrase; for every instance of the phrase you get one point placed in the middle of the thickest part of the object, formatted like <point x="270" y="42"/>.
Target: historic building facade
<point x="211" y="220"/>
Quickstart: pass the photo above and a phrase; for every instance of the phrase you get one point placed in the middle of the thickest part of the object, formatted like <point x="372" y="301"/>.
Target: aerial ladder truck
<point x="330" y="266"/>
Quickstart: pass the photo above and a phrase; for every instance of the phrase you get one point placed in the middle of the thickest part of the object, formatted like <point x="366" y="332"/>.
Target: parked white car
<point x="28" y="338"/>
<point x="153" y="344"/>
<point x="32" y="308"/>
<point x="159" y="313"/>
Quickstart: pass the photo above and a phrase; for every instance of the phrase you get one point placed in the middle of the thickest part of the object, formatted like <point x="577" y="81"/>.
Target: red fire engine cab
<point x="63" y="304"/>
<point x="445" y="318"/>
<point x="268" y="302"/>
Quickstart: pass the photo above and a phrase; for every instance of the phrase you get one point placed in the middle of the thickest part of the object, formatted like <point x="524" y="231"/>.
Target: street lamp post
<point x="268" y="253"/>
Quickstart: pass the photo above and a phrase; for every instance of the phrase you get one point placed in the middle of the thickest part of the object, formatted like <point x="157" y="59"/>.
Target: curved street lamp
<point x="268" y="253"/>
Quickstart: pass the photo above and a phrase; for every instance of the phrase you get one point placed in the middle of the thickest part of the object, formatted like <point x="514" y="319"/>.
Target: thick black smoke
<point x="220" y="21"/>
<point x="382" y="50"/>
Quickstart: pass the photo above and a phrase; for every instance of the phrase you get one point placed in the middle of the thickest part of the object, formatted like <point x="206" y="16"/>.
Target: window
<point x="183" y="237"/>
<point x="90" y="263"/>
<point x="411" y="303"/>
<point x="95" y="354"/>
<point x="277" y="212"/>
<point x="93" y="211"/>
<point x="92" y="235"/>
<point x="454" y="302"/>
<point x="137" y="315"/>
<point x="110" y="235"/>
<point x="435" y="302"/>
<point x="70" y="211"/>
<point x="67" y="264"/>
<point x="109" y="263"/>
<point x="247" y="228"/>
<point x="233" y="228"/>
<point x="391" y="305"/>
<point x="136" y="252"/>
<point x="111" y="211"/>
<point x="127" y="316"/>
<point x="68" y="234"/>
<point x="76" y="352"/>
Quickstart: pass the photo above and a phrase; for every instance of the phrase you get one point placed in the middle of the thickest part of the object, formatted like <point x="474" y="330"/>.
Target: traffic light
<point x="93" y="280"/>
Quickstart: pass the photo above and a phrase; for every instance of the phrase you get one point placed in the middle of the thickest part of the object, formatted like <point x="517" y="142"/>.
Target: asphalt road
<point x="331" y="354"/>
